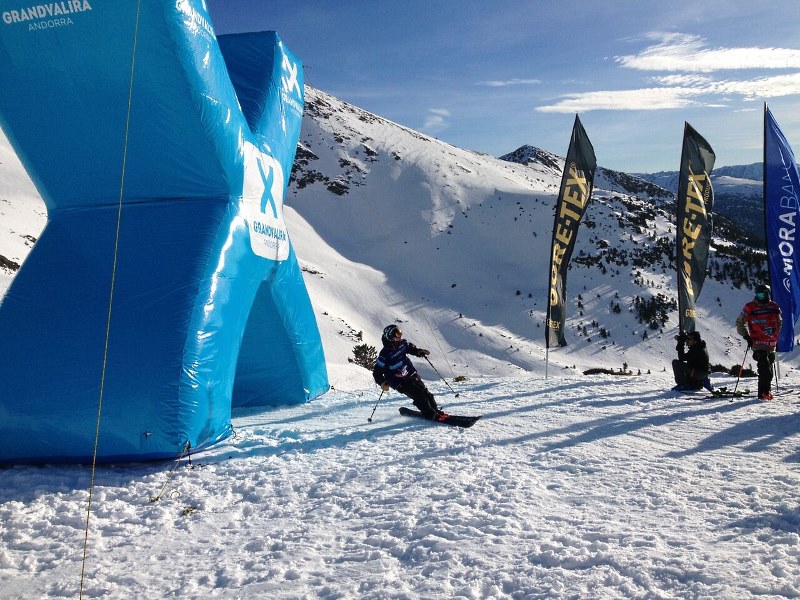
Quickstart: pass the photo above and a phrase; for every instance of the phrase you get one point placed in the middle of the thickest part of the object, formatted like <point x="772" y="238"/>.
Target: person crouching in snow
<point x="692" y="366"/>
<point x="393" y="369"/>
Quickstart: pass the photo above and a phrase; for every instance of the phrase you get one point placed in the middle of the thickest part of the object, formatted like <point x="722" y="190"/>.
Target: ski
<point x="689" y="392"/>
<point x="724" y="392"/>
<point x="456" y="420"/>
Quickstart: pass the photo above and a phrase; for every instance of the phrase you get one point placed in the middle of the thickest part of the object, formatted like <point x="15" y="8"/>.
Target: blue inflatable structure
<point x="164" y="288"/>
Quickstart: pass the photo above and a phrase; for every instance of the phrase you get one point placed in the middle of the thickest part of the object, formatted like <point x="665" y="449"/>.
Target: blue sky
<point x="492" y="76"/>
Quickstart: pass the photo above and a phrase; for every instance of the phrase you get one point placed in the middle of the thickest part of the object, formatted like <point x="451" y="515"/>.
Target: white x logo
<point x="290" y="82"/>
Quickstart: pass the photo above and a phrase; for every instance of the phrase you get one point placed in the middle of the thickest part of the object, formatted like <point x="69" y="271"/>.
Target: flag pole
<point x="695" y="201"/>
<point x="777" y="370"/>
<point x="546" y="360"/>
<point x="764" y="187"/>
<point x="575" y="191"/>
<point x="764" y="192"/>
<point x="547" y="324"/>
<point x="679" y="241"/>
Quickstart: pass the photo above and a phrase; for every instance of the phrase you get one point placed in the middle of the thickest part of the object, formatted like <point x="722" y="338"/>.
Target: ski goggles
<point x="762" y="296"/>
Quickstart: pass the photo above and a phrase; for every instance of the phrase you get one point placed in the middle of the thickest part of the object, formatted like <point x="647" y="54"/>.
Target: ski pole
<point x="776" y="374"/>
<point x="376" y="407"/>
<point x="440" y="376"/>
<point x="741" y="368"/>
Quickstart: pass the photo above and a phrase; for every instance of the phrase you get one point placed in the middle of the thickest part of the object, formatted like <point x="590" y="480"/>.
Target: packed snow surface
<point x="569" y="487"/>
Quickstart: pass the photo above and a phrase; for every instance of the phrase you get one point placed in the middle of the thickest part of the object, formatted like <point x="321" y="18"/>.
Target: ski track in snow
<point x="587" y="487"/>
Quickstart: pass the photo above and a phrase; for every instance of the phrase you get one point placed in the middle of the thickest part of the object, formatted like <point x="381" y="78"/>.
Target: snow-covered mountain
<point x="391" y="225"/>
<point x="738" y="195"/>
<point x="605" y="179"/>
<point x="459" y="245"/>
<point x="569" y="487"/>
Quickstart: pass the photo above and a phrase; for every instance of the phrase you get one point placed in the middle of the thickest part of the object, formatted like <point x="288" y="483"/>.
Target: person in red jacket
<point x="759" y="324"/>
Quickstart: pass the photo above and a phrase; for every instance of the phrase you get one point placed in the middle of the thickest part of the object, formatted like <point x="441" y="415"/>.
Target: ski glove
<point x="749" y="340"/>
<point x="423" y="352"/>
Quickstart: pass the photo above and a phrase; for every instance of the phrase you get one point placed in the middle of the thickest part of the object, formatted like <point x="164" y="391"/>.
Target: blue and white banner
<point x="187" y="234"/>
<point x="781" y="189"/>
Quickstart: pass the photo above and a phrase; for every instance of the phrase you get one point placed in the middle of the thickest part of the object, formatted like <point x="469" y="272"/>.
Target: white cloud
<point x="758" y="89"/>
<point x="437" y="120"/>
<point x="682" y="52"/>
<point x="693" y="86"/>
<point x="508" y="82"/>
<point x="657" y="98"/>
<point x="682" y="80"/>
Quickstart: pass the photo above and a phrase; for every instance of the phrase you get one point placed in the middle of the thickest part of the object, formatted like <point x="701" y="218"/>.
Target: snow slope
<point x="567" y="488"/>
<point x="394" y="226"/>
<point x="571" y="486"/>
<point x="455" y="246"/>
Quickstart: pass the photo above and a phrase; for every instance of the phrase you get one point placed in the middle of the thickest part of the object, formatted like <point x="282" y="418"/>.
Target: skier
<point x="394" y="369"/>
<point x="759" y="324"/>
<point x="692" y="366"/>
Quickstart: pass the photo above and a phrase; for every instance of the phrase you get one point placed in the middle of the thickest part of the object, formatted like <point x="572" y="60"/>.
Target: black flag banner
<point x="694" y="225"/>
<point x="574" y="195"/>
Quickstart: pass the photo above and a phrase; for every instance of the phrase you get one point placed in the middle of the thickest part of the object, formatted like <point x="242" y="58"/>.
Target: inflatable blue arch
<point x="164" y="289"/>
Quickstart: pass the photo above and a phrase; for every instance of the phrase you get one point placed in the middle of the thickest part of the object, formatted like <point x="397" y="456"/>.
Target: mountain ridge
<point x="392" y="225"/>
<point x="459" y="185"/>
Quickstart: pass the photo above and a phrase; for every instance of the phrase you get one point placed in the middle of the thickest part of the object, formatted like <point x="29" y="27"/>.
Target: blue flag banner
<point x="781" y="188"/>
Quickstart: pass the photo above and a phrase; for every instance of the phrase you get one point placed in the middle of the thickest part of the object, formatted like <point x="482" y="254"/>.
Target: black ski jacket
<point x="393" y="365"/>
<point x="696" y="357"/>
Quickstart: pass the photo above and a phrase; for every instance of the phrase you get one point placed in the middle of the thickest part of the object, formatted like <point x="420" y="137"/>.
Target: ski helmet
<point x="390" y="334"/>
<point x="763" y="292"/>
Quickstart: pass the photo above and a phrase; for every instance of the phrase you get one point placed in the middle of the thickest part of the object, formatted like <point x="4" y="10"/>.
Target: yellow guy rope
<point x="110" y="300"/>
